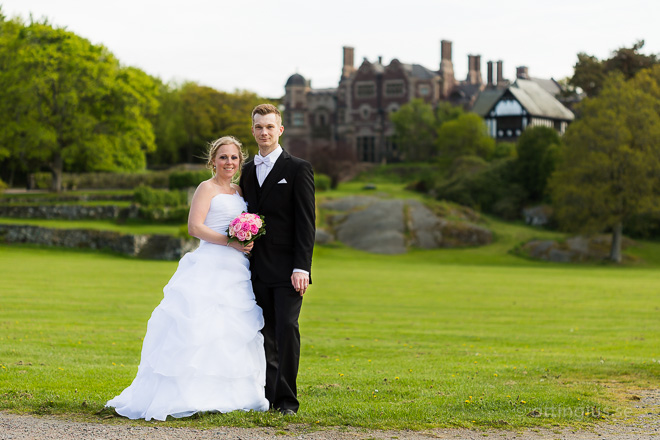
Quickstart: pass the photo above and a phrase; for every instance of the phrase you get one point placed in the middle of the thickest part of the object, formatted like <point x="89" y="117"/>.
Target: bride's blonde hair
<point x="213" y="150"/>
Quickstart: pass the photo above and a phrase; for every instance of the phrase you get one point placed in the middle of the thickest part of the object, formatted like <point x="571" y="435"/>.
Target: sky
<point x="256" y="45"/>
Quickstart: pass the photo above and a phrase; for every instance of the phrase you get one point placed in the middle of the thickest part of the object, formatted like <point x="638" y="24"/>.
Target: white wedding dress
<point x="203" y="350"/>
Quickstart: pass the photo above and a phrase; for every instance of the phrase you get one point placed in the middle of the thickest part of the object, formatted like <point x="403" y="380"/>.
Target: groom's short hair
<point x="265" y="109"/>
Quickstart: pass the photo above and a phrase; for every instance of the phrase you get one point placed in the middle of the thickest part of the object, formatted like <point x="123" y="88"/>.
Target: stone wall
<point x="157" y="247"/>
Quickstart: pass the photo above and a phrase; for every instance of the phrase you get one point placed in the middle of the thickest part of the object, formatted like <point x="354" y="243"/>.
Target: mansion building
<point x="354" y="117"/>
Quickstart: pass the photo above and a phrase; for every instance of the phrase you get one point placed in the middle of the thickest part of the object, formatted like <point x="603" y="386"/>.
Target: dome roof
<point x="296" y="80"/>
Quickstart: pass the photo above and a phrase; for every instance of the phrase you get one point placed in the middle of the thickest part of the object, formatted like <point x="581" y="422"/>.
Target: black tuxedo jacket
<point x="286" y="200"/>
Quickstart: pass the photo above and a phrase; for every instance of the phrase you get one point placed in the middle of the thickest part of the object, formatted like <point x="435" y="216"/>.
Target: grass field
<point x="472" y="337"/>
<point x="463" y="337"/>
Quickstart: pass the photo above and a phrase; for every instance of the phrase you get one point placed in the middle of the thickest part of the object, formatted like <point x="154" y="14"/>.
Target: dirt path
<point x="642" y="422"/>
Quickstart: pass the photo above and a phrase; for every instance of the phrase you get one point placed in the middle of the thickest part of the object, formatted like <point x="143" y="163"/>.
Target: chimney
<point x="348" y="62"/>
<point x="522" y="72"/>
<point x="447" y="80"/>
<point x="500" y="77"/>
<point x="474" y="69"/>
<point x="490" y="74"/>
<point x="380" y="60"/>
<point x="445" y="50"/>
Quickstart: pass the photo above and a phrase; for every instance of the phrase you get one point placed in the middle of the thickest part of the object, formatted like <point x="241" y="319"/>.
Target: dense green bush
<point x="504" y="150"/>
<point x="187" y="179"/>
<point x="322" y="182"/>
<point x="489" y="189"/>
<point x="3" y="186"/>
<point x="149" y="197"/>
<point x="73" y="181"/>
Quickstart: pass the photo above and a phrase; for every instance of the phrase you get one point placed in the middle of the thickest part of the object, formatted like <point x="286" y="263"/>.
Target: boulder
<point x="574" y="249"/>
<point x="389" y="226"/>
<point x="323" y="237"/>
<point x="377" y="228"/>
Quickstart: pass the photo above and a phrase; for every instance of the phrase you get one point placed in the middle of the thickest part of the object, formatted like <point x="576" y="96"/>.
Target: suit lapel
<point x="250" y="184"/>
<point x="274" y="176"/>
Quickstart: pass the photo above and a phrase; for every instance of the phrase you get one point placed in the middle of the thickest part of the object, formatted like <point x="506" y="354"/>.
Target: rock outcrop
<point x="390" y="226"/>
<point x="574" y="249"/>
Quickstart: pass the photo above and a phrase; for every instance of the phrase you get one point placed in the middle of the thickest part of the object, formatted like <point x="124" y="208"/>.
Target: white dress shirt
<point x="263" y="169"/>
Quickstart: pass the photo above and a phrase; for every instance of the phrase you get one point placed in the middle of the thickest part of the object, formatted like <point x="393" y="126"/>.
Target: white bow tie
<point x="258" y="160"/>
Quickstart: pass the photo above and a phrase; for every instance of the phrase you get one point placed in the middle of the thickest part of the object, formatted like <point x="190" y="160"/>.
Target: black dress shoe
<point x="287" y="412"/>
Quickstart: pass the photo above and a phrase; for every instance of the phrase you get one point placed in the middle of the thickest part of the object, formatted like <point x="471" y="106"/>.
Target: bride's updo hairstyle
<point x="226" y="140"/>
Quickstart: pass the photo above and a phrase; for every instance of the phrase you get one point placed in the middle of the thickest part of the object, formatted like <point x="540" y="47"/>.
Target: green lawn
<point x="472" y="337"/>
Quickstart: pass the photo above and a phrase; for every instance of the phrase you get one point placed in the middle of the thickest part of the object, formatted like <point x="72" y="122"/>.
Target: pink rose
<point x="253" y="228"/>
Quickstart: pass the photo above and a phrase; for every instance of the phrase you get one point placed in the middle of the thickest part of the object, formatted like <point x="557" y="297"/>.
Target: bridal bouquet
<point x="246" y="228"/>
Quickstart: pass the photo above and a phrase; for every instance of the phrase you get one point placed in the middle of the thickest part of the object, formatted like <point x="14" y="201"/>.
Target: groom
<point x="281" y="188"/>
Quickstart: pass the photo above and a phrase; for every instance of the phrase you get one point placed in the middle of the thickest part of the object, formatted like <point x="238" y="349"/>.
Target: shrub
<point x="490" y="189"/>
<point x="187" y="179"/>
<point x="3" y="186"/>
<point x="322" y="182"/>
<point x="73" y="181"/>
<point x="149" y="197"/>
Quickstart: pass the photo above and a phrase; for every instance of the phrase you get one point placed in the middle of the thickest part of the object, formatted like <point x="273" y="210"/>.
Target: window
<point x="341" y="116"/>
<point x="424" y="90"/>
<point x="366" y="149"/>
<point x="365" y="111"/>
<point x="365" y="89"/>
<point x="394" y="88"/>
<point x="298" y="119"/>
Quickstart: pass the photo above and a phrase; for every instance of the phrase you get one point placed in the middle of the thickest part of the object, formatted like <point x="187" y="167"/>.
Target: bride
<point x="203" y="350"/>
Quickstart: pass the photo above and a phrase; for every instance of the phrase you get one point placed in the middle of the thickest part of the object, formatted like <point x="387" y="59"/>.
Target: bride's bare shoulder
<point x="237" y="189"/>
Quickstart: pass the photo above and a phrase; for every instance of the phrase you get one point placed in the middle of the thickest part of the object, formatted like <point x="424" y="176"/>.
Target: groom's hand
<point x="300" y="282"/>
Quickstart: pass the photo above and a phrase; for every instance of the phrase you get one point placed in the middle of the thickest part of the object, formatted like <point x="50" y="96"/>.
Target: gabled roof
<point x="486" y="101"/>
<point x="533" y="98"/>
<point x="549" y="85"/>
<point x="538" y="102"/>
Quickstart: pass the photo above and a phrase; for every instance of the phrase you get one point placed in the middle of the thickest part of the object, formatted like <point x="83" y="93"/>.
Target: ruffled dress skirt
<point x="203" y="350"/>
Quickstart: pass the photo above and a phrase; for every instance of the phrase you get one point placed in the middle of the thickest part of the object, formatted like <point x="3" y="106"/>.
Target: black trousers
<point x="281" y="306"/>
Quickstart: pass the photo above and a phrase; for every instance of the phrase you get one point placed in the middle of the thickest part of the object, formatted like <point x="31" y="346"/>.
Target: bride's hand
<point x="248" y="248"/>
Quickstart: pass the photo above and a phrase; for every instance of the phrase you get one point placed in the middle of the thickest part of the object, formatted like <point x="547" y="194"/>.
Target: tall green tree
<point x="201" y="118"/>
<point x="466" y="135"/>
<point x="590" y="72"/>
<point x="537" y="150"/>
<point x="610" y="164"/>
<point x="168" y="127"/>
<point x="66" y="103"/>
<point x="415" y="125"/>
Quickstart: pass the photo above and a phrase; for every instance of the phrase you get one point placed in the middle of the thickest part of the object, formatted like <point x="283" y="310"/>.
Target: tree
<point x="415" y="126"/>
<point x="610" y="163"/>
<point x="168" y="127"/>
<point x="464" y="136"/>
<point x="590" y="73"/>
<point x="537" y="156"/>
<point x="65" y="102"/>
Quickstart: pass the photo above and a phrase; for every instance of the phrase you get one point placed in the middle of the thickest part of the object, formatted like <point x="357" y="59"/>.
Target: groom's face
<point x="267" y="130"/>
